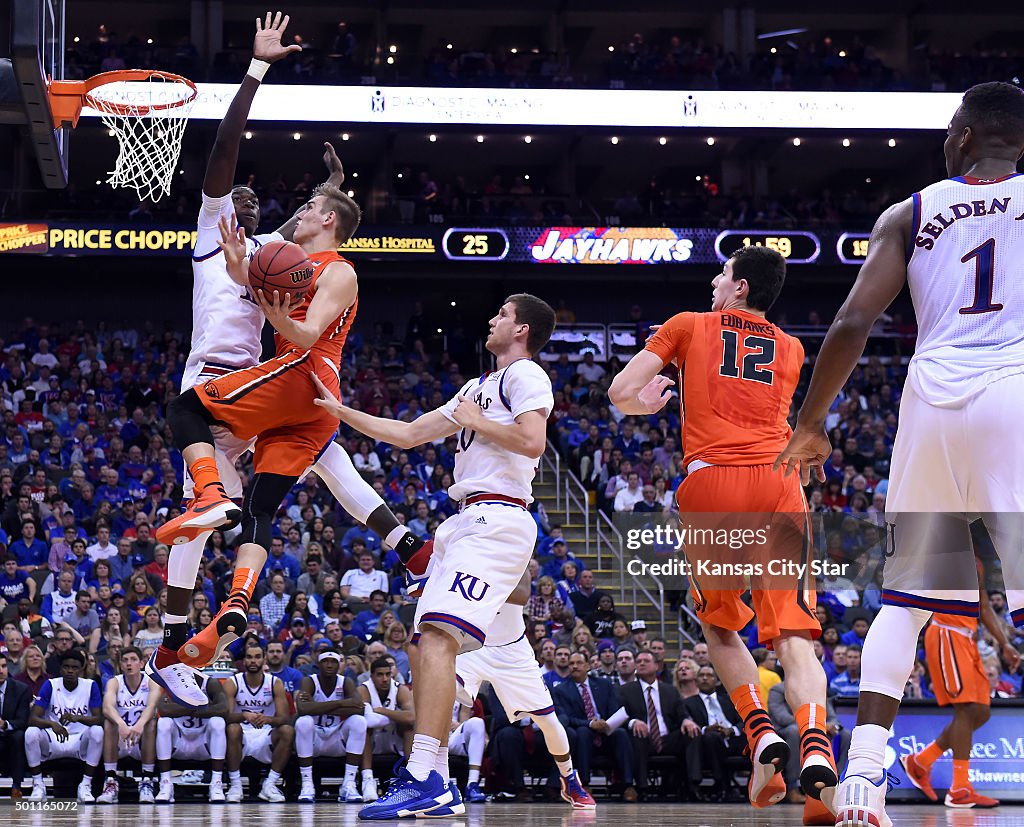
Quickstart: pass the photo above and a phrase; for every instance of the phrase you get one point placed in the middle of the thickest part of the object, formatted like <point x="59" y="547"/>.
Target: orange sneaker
<point x="206" y="647"/>
<point x="766" y="785"/>
<point x="212" y="509"/>
<point x="965" y="798"/>
<point x="816" y="813"/>
<point x="920" y="777"/>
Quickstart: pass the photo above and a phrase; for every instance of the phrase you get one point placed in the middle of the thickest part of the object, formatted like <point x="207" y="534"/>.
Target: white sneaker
<point x="270" y="792"/>
<point x="146" y="791"/>
<point x="860" y="802"/>
<point x="166" y="793"/>
<point x="110" y="790"/>
<point x="234" y="794"/>
<point x="307" y="795"/>
<point x="349" y="794"/>
<point x="185" y="685"/>
<point x="85" y="791"/>
<point x="38" y="791"/>
<point x="217" y="790"/>
<point x="370" y="790"/>
<point x="191" y="777"/>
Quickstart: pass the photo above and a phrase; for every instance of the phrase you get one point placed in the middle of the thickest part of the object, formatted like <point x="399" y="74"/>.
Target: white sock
<point x="395" y="536"/>
<point x="110" y="767"/>
<point x="165" y="777"/>
<point x="306" y="773"/>
<point x="564" y="767"/>
<point x="37" y="779"/>
<point x="235" y="777"/>
<point x="867" y="751"/>
<point x="273" y="777"/>
<point x="147" y="770"/>
<point x="350" y="773"/>
<point x="424" y="756"/>
<point x="367" y="775"/>
<point x="170" y="619"/>
<point x="474" y="775"/>
<point x="441" y="763"/>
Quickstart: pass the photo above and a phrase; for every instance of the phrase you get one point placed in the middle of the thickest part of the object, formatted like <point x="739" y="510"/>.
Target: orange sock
<point x="811" y="721"/>
<point x="961" y="777"/>
<point x="243" y="584"/>
<point x="204" y="473"/>
<point x="929" y="755"/>
<point x="749" y="703"/>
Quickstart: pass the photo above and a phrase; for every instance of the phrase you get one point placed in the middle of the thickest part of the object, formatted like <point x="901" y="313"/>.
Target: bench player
<point x="260" y="725"/>
<point x="390" y="718"/>
<point x="957" y="454"/>
<point x="188" y="734"/>
<point x="500" y="419"/>
<point x="738" y="373"/>
<point x="129" y="728"/>
<point x="330" y="722"/>
<point x="226" y="325"/>
<point x="958" y="680"/>
<point x="66" y="721"/>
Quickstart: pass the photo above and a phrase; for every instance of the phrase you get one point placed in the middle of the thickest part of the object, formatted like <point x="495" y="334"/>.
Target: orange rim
<point x="67" y="97"/>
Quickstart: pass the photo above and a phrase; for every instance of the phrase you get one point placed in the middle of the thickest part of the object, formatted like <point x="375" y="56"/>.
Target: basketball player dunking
<point x="480" y="554"/>
<point x="226" y="326"/>
<point x="959" y="243"/>
<point x="738" y="374"/>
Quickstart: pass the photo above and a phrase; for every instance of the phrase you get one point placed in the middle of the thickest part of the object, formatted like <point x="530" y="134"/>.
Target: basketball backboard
<point x="36" y="55"/>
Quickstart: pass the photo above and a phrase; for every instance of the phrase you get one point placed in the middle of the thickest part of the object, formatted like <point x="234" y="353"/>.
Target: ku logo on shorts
<point x="470" y="586"/>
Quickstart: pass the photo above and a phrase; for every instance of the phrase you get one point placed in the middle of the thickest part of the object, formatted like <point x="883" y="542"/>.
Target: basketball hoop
<point x="145" y="109"/>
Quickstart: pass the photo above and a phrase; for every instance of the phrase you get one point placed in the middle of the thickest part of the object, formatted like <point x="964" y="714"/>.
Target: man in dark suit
<point x="721" y="730"/>
<point x="584" y="705"/>
<point x="515" y="744"/>
<point x="658" y="723"/>
<point x="14" y="702"/>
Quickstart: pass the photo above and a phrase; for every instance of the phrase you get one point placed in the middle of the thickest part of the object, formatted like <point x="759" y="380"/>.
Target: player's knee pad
<point x="303" y="726"/>
<point x="164" y="725"/>
<point x="474" y="726"/>
<point x="189" y="420"/>
<point x="216" y="725"/>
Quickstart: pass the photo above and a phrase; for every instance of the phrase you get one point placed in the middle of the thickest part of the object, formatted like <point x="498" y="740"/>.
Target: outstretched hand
<point x="232" y="241"/>
<point x="335" y="169"/>
<point x="328" y="401"/>
<point x="267" y="45"/>
<point x="808" y="449"/>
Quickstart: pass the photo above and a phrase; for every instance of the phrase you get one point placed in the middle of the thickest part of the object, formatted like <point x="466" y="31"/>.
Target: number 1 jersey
<point x="738" y="372"/>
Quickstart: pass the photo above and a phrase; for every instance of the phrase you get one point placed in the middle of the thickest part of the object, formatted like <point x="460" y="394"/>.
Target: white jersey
<point x="390" y="702"/>
<point x="507" y="627"/>
<point x="130" y="705"/>
<point x="320" y="697"/>
<point x="226" y="321"/>
<point x="55" y="700"/>
<point x="63" y="605"/>
<point x="967" y="283"/>
<point x="482" y="465"/>
<point x="259" y="700"/>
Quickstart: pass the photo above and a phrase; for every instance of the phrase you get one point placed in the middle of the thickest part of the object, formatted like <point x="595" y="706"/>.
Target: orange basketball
<point x="282" y="266"/>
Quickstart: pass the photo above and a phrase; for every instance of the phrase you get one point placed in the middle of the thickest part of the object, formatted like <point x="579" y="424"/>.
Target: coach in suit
<point x="515" y="744"/>
<point x="785" y="722"/>
<point x="584" y="705"/>
<point x="721" y="730"/>
<point x="14" y="702"/>
<point x="658" y="722"/>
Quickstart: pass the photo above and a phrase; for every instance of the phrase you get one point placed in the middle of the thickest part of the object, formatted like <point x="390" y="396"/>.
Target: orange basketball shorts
<point x="749" y="499"/>
<point x="958" y="676"/>
<point x="273" y="401"/>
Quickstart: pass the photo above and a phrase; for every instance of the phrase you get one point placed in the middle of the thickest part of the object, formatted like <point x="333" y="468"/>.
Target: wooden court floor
<point x="329" y="814"/>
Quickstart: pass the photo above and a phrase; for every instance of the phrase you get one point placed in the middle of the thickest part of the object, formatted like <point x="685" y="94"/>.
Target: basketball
<point x="282" y="266"/>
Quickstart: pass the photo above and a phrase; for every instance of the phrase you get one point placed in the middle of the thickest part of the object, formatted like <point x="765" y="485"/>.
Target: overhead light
<point x="796" y="142"/>
<point x="351" y="193"/>
<point x="439" y="330"/>
<point x="432" y="139"/>
<point x="399" y="175"/>
<point x="181" y="172"/>
<point x="663" y="141"/>
<point x="611" y="48"/>
<point x="391" y="61"/>
<point x="842" y="53"/>
<point x="892" y="142"/>
<point x="449" y="46"/>
<point x="248" y="136"/>
<point x="527" y="139"/>
<point x="867" y="180"/>
<point x="453" y="304"/>
<point x="77" y="39"/>
<point x="774" y="50"/>
<point x="479" y="139"/>
<point x="711" y="142"/>
<point x="697" y="178"/>
<point x="355" y="174"/>
<point x="149" y="41"/>
<point x="846" y="141"/>
<point x="615" y="139"/>
<point x="344" y="136"/>
<point x="111" y="133"/>
<point x="97" y="182"/>
<point x="526" y="177"/>
<point x="393" y="49"/>
<point x="297" y="136"/>
<point x="514" y="50"/>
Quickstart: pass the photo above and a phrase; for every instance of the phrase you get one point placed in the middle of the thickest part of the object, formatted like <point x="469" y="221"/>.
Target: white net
<point x="148" y="117"/>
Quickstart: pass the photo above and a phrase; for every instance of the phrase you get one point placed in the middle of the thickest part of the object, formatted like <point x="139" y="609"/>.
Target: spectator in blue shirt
<point x="124" y="519"/>
<point x="560" y="555"/>
<point x="361" y="532"/>
<point x="290" y="676"/>
<point x="121" y="567"/>
<point x="628" y="442"/>
<point x="280" y="560"/>
<point x="15" y="584"/>
<point x="418" y="524"/>
<point x="111" y="489"/>
<point x="847" y="684"/>
<point x="366" y="621"/>
<point x="31" y="553"/>
<point x="858" y="632"/>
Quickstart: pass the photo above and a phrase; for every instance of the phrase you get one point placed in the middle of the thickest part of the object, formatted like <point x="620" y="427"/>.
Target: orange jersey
<point x="967" y="624"/>
<point x="738" y="373"/>
<point x="332" y="340"/>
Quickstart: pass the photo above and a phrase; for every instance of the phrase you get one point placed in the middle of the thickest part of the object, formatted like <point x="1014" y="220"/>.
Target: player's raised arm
<point x="427" y="428"/>
<point x="266" y="49"/>
<point x="880" y="280"/>
<point x="335" y="178"/>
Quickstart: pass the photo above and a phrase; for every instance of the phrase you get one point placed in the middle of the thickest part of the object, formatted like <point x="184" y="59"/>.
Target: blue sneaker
<point x="454" y="808"/>
<point x="408" y="797"/>
<point x="474" y="795"/>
